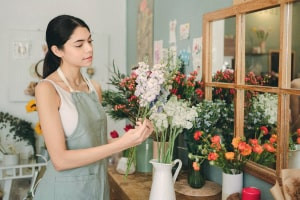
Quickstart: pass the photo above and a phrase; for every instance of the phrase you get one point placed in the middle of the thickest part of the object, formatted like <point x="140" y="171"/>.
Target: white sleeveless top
<point x="67" y="110"/>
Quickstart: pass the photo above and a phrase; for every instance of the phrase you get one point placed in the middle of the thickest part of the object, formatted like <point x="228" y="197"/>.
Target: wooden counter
<point x="137" y="187"/>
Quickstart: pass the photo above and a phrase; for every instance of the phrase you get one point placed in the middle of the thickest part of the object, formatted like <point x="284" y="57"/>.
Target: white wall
<point x="107" y="17"/>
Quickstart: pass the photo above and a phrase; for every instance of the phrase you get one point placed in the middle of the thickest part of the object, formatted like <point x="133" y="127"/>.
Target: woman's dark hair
<point x="58" y="33"/>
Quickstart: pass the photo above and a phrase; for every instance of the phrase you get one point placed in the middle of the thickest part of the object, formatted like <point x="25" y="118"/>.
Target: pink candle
<point x="250" y="193"/>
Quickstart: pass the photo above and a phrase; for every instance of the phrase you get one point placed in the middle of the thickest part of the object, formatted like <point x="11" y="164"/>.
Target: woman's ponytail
<point x="51" y="63"/>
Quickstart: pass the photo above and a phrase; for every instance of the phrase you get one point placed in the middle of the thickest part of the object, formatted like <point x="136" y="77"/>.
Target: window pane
<point x="260" y="126"/>
<point x="223" y="45"/>
<point x="295" y="58"/>
<point x="262" y="46"/>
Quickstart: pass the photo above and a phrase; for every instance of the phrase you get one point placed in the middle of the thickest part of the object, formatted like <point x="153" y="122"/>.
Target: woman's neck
<point x="73" y="75"/>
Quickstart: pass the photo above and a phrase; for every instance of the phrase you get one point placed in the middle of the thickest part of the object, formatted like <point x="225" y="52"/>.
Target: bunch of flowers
<point x="264" y="146"/>
<point x="169" y="120"/>
<point x="262" y="111"/>
<point x="294" y="139"/>
<point x="188" y="88"/>
<point x="261" y="34"/>
<point x="233" y="160"/>
<point x="216" y="117"/>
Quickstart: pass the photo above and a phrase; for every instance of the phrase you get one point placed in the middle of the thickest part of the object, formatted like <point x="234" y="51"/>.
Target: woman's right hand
<point x="140" y="133"/>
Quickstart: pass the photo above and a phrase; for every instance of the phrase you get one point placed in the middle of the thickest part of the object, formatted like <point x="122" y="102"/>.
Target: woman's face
<point x="78" y="50"/>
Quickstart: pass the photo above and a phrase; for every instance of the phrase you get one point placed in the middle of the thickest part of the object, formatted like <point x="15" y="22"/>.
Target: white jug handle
<point x="177" y="170"/>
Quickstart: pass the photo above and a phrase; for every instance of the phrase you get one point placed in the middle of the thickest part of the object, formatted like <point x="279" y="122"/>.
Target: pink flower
<point x="114" y="134"/>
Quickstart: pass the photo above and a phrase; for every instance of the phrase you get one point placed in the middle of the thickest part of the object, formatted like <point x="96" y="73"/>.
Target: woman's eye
<point x="91" y="41"/>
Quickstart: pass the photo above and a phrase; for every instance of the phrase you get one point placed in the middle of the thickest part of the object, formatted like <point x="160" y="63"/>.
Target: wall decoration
<point x="184" y="31"/>
<point x="185" y="56"/>
<point x="172" y="32"/>
<point x="21" y="49"/>
<point x="145" y="31"/>
<point x="158" y="51"/>
<point x="197" y="53"/>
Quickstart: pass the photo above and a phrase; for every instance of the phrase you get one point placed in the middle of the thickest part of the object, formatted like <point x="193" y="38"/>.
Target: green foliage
<point x="21" y="129"/>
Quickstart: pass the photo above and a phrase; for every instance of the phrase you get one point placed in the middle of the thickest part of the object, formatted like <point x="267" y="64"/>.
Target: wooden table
<point x="137" y="187"/>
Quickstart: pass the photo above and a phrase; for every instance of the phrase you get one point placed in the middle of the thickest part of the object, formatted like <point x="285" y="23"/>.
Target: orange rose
<point x="216" y="139"/>
<point x="269" y="148"/>
<point x="273" y="138"/>
<point x="235" y="142"/>
<point x="242" y="146"/>
<point x="196" y="166"/>
<point x="253" y="141"/>
<point x="258" y="149"/>
<point x="197" y="135"/>
<point x="247" y="150"/>
<point x="298" y="131"/>
<point x="212" y="156"/>
<point x="229" y="155"/>
<point x="298" y="140"/>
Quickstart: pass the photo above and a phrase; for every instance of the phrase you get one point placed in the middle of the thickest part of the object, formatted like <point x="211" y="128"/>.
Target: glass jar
<point x="195" y="177"/>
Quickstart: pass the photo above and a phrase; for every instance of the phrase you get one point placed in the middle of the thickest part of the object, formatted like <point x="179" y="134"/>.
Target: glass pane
<point x="294" y="135"/>
<point x="295" y="58"/>
<point x="262" y="46"/>
<point x="223" y="45"/>
<point x="260" y="126"/>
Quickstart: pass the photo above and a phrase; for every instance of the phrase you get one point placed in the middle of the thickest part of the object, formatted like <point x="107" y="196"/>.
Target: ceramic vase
<point x="162" y="180"/>
<point x="294" y="158"/>
<point x="144" y="153"/>
<point x="231" y="183"/>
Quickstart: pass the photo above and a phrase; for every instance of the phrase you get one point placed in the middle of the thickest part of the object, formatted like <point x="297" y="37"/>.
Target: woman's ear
<point x="56" y="51"/>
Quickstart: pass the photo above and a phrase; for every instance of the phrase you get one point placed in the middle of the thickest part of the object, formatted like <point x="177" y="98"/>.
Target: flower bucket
<point x="231" y="183"/>
<point x="294" y="158"/>
<point x="144" y="153"/>
<point x="162" y="181"/>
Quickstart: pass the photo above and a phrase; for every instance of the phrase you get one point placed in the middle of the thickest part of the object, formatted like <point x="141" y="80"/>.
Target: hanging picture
<point x="145" y="31"/>
<point x="184" y="31"/>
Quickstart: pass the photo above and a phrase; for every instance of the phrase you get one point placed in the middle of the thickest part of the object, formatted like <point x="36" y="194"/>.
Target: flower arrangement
<point x="264" y="146"/>
<point x="188" y="87"/>
<point x="294" y="139"/>
<point x="261" y="34"/>
<point x="233" y="160"/>
<point x="169" y="120"/>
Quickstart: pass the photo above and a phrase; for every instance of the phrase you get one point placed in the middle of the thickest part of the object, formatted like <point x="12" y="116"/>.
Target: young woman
<point x="72" y="118"/>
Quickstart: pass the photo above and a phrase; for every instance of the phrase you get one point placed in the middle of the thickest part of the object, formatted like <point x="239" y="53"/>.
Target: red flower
<point x="298" y="131"/>
<point x="298" y="140"/>
<point x="114" y="134"/>
<point x="269" y="147"/>
<point x="196" y="166"/>
<point x="264" y="129"/>
<point x="273" y="138"/>
<point x="128" y="127"/>
<point x="197" y="135"/>
<point x="258" y="149"/>
<point x="253" y="141"/>
<point x="216" y="139"/>
<point x="212" y="156"/>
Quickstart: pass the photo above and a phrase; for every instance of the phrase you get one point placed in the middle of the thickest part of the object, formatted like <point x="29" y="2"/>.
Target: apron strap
<point x="62" y="76"/>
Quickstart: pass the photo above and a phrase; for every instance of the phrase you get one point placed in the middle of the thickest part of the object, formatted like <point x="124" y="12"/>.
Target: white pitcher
<point x="162" y="181"/>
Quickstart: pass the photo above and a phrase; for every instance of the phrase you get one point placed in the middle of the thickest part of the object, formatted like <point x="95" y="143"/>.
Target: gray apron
<point x="88" y="182"/>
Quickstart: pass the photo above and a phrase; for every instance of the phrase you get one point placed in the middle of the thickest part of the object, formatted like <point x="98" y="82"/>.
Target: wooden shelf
<point x="137" y="187"/>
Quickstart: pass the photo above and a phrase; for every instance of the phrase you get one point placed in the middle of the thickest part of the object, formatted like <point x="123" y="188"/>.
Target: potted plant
<point x="20" y="129"/>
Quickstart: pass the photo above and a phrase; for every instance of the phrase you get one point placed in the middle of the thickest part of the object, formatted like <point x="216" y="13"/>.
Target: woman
<point x="72" y="118"/>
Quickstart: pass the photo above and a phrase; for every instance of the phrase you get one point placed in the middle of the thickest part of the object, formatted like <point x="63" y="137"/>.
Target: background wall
<point x="106" y="18"/>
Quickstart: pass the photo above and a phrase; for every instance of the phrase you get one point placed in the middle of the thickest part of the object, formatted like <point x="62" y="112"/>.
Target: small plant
<point x="22" y="130"/>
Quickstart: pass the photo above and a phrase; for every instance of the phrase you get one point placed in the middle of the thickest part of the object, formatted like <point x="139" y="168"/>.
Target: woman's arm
<point x="48" y="102"/>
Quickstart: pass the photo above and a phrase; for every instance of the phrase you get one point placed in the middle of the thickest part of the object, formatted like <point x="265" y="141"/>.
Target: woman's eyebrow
<point x="81" y="40"/>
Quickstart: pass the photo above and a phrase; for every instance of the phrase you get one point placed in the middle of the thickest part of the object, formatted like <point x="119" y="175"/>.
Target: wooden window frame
<point x="283" y="90"/>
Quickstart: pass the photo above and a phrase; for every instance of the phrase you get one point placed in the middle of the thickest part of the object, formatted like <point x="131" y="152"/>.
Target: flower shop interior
<point x="226" y="113"/>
